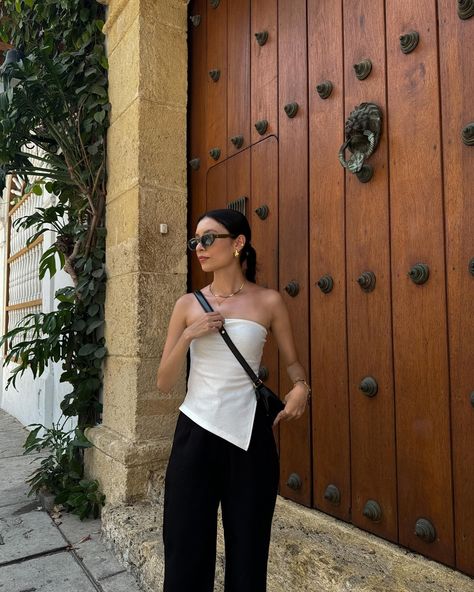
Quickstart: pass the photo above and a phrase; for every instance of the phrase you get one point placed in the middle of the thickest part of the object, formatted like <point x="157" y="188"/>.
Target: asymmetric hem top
<point x="220" y="396"/>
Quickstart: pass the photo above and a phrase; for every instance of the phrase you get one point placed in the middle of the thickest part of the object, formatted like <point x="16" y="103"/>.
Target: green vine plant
<point x="61" y="472"/>
<point x="54" y="114"/>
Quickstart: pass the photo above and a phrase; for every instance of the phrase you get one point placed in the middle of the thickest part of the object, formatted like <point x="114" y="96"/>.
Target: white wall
<point x="33" y="400"/>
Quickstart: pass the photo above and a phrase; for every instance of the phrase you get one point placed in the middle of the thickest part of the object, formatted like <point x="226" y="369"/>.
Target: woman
<point x="223" y="449"/>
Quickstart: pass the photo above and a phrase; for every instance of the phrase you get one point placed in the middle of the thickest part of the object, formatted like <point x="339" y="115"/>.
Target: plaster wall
<point x="32" y="400"/>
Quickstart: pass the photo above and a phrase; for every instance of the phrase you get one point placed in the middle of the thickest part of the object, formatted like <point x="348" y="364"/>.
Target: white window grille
<point x="23" y="291"/>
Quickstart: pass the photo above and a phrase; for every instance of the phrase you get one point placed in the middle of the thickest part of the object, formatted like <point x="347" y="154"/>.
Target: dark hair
<point x="236" y="223"/>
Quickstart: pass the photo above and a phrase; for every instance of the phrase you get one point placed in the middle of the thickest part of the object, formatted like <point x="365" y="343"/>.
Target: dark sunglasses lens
<point x="207" y="240"/>
<point x="192" y="244"/>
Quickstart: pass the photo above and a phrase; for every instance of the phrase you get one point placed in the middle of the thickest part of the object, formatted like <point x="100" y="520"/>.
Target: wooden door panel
<point x="293" y="235"/>
<point x="330" y="404"/>
<point x="216" y="104"/>
<point x="216" y="189"/>
<point x="457" y="88"/>
<point x="419" y="311"/>
<point x="264" y="70"/>
<point x="238" y="178"/>
<point x="238" y="74"/>
<point x="198" y="129"/>
<point x="373" y="461"/>
<point x="264" y="192"/>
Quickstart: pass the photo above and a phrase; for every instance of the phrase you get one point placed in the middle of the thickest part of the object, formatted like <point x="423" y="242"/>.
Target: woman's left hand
<point x="295" y="404"/>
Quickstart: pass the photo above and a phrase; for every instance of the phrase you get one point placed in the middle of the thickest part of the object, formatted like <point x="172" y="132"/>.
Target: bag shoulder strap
<point x="208" y="308"/>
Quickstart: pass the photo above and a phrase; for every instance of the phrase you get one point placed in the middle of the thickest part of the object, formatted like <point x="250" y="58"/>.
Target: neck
<point x="227" y="281"/>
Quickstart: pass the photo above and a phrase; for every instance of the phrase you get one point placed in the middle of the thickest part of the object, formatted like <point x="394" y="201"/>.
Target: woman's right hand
<point x="208" y="322"/>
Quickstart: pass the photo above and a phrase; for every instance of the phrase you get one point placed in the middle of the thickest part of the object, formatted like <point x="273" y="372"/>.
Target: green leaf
<point x="32" y="440"/>
<point x="99" y="116"/>
<point x="76" y="499"/>
<point x="87" y="349"/>
<point x="93" y="309"/>
<point x="98" y="90"/>
<point x="100" y="352"/>
<point x="62" y="497"/>
<point x="81" y="444"/>
<point x="79" y="325"/>
<point x="92" y="326"/>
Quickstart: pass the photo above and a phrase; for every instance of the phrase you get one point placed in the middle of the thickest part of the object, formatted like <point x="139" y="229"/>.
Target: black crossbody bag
<point x="272" y="404"/>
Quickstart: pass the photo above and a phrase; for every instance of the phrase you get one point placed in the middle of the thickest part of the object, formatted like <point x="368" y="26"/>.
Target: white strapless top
<point x="220" y="396"/>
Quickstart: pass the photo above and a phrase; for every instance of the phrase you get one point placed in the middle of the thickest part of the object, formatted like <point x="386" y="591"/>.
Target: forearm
<point x="296" y="371"/>
<point x="171" y="367"/>
<point x="297" y="375"/>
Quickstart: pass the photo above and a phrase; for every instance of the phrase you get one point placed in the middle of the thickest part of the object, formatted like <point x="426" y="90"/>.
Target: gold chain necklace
<point x="222" y="296"/>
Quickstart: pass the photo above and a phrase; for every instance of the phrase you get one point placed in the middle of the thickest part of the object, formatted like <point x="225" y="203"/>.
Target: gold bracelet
<point x="306" y="385"/>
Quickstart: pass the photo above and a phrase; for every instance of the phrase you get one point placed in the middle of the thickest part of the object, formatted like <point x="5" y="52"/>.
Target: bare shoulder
<point x="183" y="305"/>
<point x="271" y="299"/>
<point x="184" y="302"/>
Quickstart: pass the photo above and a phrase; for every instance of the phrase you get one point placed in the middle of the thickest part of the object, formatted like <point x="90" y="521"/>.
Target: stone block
<point x="122" y="234"/>
<point x="163" y="253"/>
<point x="111" y="475"/>
<point x="121" y="14"/>
<point x="123" y="258"/>
<point x="122" y="217"/>
<point x="157" y="295"/>
<point x="162" y="132"/>
<point x="160" y="424"/>
<point x="170" y="12"/>
<point x="123" y="144"/>
<point x="121" y="314"/>
<point x="163" y="63"/>
<point x="121" y="465"/>
<point x="146" y="379"/>
<point x="120" y="394"/>
<point x="125" y="69"/>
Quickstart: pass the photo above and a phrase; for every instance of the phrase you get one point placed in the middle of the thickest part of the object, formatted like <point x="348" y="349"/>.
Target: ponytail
<point x="249" y="256"/>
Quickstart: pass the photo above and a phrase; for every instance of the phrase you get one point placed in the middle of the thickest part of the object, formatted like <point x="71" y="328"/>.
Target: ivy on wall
<point x="55" y="100"/>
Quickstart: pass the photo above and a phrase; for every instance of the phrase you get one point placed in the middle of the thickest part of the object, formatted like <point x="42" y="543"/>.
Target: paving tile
<point x="58" y="572"/>
<point x="13" y="473"/>
<point x="96" y="557"/>
<point x="25" y="533"/>
<point x="123" y="582"/>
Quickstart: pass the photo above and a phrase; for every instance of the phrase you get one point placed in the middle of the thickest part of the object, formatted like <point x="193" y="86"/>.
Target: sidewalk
<point x="40" y="553"/>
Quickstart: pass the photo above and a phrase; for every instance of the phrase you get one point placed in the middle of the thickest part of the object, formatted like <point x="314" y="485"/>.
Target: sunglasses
<point x="206" y="240"/>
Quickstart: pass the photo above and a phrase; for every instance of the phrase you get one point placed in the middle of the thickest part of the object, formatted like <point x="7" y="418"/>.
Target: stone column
<point x="147" y="269"/>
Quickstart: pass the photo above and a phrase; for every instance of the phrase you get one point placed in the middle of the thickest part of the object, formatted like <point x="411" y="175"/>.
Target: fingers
<point x="214" y="322"/>
<point x="288" y="415"/>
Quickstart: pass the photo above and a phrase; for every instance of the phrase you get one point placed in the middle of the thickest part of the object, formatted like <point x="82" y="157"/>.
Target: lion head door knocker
<point x="362" y="132"/>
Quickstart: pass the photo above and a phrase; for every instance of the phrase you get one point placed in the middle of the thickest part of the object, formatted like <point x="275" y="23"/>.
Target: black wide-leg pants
<point x="203" y="471"/>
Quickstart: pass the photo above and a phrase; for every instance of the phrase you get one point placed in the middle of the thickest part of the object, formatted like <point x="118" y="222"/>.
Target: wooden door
<point x="265" y="133"/>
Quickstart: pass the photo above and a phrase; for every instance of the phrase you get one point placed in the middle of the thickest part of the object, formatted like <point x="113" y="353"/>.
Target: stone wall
<point x="147" y="270"/>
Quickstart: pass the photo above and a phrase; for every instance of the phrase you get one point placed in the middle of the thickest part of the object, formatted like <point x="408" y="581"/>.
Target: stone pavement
<point x="40" y="552"/>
